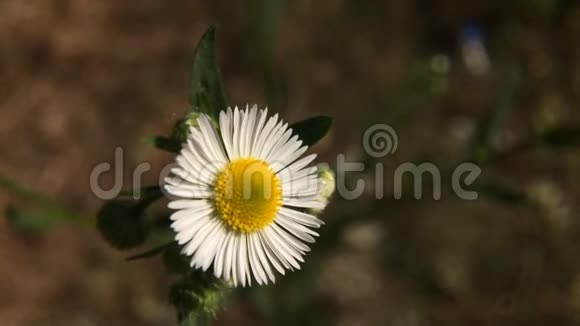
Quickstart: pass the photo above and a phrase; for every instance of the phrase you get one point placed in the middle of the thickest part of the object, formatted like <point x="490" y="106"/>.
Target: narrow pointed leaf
<point x="313" y="129"/>
<point x="206" y="92"/>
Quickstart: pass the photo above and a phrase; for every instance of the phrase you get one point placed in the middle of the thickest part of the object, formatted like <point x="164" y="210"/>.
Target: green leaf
<point x="167" y="144"/>
<point x="25" y="221"/>
<point x="206" y="92"/>
<point x="151" y="252"/>
<point x="46" y="212"/>
<point x="311" y="130"/>
<point x="122" y="224"/>
<point x="175" y="262"/>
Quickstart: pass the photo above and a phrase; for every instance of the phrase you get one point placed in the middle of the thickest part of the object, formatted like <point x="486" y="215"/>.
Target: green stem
<point x="51" y="209"/>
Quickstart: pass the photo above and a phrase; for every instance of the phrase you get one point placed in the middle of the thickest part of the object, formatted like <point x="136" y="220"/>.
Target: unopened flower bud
<point x="181" y="129"/>
<point x="326" y="176"/>
<point x="327" y="185"/>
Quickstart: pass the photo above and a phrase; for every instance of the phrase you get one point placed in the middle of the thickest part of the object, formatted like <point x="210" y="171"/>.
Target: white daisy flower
<point x="241" y="195"/>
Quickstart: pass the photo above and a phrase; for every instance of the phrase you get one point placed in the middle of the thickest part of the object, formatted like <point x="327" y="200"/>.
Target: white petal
<point x="188" y="203"/>
<point x="263" y="114"/>
<point x="229" y="256"/>
<point x="192" y="148"/>
<point x="196" y="164"/>
<point x="234" y="250"/>
<point x="297" y="202"/>
<point x="281" y="154"/>
<point x="262" y="258"/>
<point x="192" y="170"/>
<point x="251" y="130"/>
<point x="269" y="129"/>
<point x="302" y="188"/>
<point x="294" y="156"/>
<point x="270" y="254"/>
<point x="187" y="221"/>
<point x="236" y="134"/>
<point x="298" y="165"/>
<point x="188" y="234"/>
<point x="275" y="137"/>
<point x="295" y="243"/>
<point x="211" y="139"/>
<point x="255" y="265"/>
<point x="220" y="258"/>
<point x="247" y="131"/>
<point x="198" y="236"/>
<point x="306" y="177"/>
<point x="242" y="259"/>
<point x="299" y="230"/>
<point x="212" y="164"/>
<point x="300" y="217"/>
<point x="179" y="182"/>
<point x="191" y="212"/>
<point x="202" y="246"/>
<point x="187" y="172"/>
<point x="291" y="175"/>
<point x="226" y="130"/>
<point x="195" y="161"/>
<point x="280" y="250"/>
<point x="211" y="248"/>
<point x="185" y="192"/>
<point x="283" y="248"/>
<point x="279" y="140"/>
<point x="305" y="189"/>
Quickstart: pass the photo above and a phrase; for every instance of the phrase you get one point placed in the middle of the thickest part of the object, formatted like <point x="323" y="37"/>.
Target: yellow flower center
<point x="247" y="195"/>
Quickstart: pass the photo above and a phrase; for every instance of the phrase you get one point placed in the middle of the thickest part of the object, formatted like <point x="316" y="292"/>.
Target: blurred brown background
<point x="457" y="80"/>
